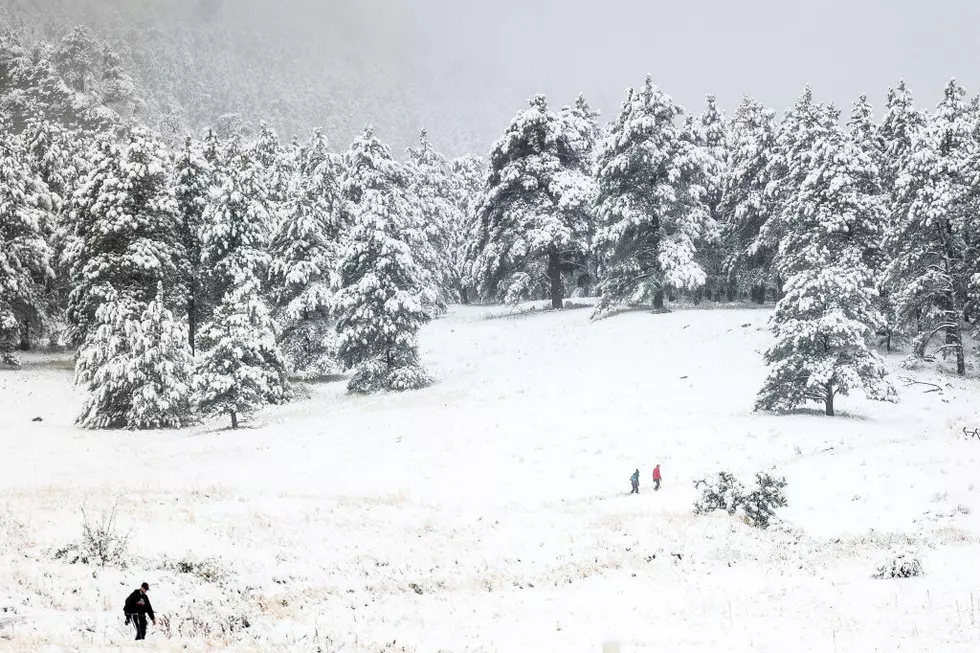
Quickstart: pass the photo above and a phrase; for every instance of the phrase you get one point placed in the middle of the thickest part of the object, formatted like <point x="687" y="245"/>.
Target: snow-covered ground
<point x="490" y="512"/>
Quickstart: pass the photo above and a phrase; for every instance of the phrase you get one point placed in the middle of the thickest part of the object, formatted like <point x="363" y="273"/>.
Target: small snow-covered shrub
<point x="11" y="529"/>
<point x="209" y="570"/>
<point x="899" y="565"/>
<point x="102" y="544"/>
<point x="205" y="618"/>
<point x="723" y="492"/>
<point x="758" y="506"/>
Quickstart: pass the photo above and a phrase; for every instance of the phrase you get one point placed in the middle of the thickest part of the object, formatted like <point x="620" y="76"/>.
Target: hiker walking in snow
<point x="137" y="608"/>
<point x="635" y="482"/>
<point x="656" y="478"/>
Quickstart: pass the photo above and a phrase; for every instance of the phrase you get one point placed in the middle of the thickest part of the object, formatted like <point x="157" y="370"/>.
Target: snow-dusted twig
<point x="910" y="382"/>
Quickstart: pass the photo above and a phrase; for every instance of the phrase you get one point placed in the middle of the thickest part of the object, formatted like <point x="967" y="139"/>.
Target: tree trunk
<point x="829" y="400"/>
<point x="731" y="291"/>
<point x="888" y="339"/>
<point x="234" y="420"/>
<point x="658" y="300"/>
<point x="464" y="297"/>
<point x="25" y="337"/>
<point x="955" y="338"/>
<point x="554" y="272"/>
<point x="192" y="322"/>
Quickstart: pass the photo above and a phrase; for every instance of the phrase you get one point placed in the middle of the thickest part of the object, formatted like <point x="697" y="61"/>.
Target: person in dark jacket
<point x="635" y="481"/>
<point x="138" y="608"/>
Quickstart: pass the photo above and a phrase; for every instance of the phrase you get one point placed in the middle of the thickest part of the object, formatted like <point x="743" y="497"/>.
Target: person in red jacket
<point x="656" y="478"/>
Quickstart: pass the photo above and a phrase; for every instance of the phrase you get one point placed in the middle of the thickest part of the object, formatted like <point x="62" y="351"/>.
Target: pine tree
<point x="193" y="179"/>
<point x="305" y="252"/>
<point x="429" y="187"/>
<point x="900" y="128"/>
<point x="467" y="175"/>
<point x="709" y="134"/>
<point x="803" y="126"/>
<point x="25" y="256"/>
<point x="276" y="171"/>
<point x="932" y="270"/>
<point x="582" y="123"/>
<point x="824" y="324"/>
<point x="240" y="369"/>
<point x="746" y="204"/>
<point x="585" y="134"/>
<point x="381" y="304"/>
<point x="651" y="212"/>
<point x="104" y="363"/>
<point x="127" y="230"/>
<point x="368" y="165"/>
<point x="536" y="215"/>
<point x="236" y="234"/>
<point x="867" y="137"/>
<point x="159" y="370"/>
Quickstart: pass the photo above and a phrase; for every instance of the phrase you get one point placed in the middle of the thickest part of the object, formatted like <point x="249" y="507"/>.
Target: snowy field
<point x="490" y="512"/>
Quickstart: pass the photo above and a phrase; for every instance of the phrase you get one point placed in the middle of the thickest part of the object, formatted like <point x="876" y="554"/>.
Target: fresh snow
<point x="490" y="512"/>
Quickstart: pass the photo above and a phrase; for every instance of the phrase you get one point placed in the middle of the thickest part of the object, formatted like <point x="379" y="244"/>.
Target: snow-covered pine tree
<point x="104" y="363"/>
<point x="368" y="165"/>
<point x="803" y="126"/>
<point x="51" y="157"/>
<point x="193" y="181"/>
<point x="127" y="229"/>
<point x="25" y="256"/>
<point x="536" y="215"/>
<point x="746" y="204"/>
<point x="305" y="252"/>
<point x="582" y="123"/>
<point x="936" y="220"/>
<point x="277" y="171"/>
<point x="236" y="229"/>
<point x="709" y="133"/>
<point x="467" y="175"/>
<point x="650" y="209"/>
<point x="866" y="136"/>
<point x="824" y="324"/>
<point x="160" y="369"/>
<point x="900" y="128"/>
<point x="380" y="302"/>
<point x="430" y="190"/>
<point x="240" y="368"/>
<point x="385" y="296"/>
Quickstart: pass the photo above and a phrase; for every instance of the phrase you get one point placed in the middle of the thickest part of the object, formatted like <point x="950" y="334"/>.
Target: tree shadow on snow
<point x="325" y="379"/>
<point x="535" y="310"/>
<point x="819" y="412"/>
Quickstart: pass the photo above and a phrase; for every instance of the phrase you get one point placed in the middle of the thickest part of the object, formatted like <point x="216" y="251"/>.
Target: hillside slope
<point x="490" y="512"/>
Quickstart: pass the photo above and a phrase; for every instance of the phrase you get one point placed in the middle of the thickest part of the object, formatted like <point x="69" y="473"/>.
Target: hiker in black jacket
<point x="137" y="608"/>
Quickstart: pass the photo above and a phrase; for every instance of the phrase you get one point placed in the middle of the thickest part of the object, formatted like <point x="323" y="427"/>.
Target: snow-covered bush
<point x="902" y="564"/>
<point x="102" y="544"/>
<point x="205" y="618"/>
<point x="207" y="569"/>
<point x="723" y="492"/>
<point x="758" y="506"/>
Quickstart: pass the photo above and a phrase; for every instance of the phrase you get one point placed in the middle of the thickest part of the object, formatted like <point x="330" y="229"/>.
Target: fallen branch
<point x="910" y="382"/>
<point x="975" y="433"/>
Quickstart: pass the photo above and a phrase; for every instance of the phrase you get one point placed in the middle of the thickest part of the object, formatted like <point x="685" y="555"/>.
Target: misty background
<point x="463" y="68"/>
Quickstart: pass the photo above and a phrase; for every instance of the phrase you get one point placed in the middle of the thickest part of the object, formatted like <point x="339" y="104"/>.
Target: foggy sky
<point x="768" y="49"/>
<point x="463" y="68"/>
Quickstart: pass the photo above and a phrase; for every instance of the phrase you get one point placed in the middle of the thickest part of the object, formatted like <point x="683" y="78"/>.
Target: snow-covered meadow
<point x="490" y="512"/>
